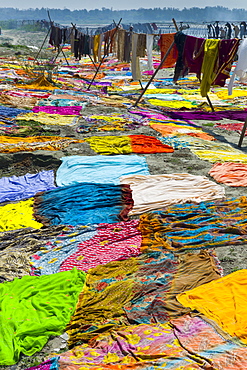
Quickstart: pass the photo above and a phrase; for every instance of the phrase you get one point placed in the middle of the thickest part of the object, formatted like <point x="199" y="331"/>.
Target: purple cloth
<point x="16" y="188"/>
<point x="227" y="52"/>
<point x="51" y="364"/>
<point x="238" y="115"/>
<point x="65" y="111"/>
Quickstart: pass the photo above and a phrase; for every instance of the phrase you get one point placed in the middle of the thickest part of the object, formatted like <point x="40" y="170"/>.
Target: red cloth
<point x="166" y="39"/>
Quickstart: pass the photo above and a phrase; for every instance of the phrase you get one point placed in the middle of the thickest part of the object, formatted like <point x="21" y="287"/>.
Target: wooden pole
<point x="106" y="52"/>
<point x="242" y="133"/>
<point x="42" y="44"/>
<point x="155" y="73"/>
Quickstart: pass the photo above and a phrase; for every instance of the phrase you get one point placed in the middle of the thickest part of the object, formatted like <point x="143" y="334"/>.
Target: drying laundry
<point x="231" y="174"/>
<point x="50" y="119"/>
<point x="83" y="204"/>
<point x="157" y="191"/>
<point x="34" y="308"/>
<point x="127" y="144"/>
<point x="99" y="169"/>
<point x="21" y="187"/>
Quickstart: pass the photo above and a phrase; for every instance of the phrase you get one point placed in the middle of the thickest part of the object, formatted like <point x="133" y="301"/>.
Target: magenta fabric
<point x="113" y="242"/>
<point x="227" y="52"/>
<point x="239" y="115"/>
<point x="64" y="111"/>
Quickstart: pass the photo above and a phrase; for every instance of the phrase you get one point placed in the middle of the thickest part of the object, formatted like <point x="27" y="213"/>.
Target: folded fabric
<point x="21" y="187"/>
<point x="34" y="308"/>
<point x="83" y="204"/>
<point x="194" y="226"/>
<point x="127" y="144"/>
<point x="99" y="169"/>
<point x="18" y="144"/>
<point x="19" y="215"/>
<point x="223" y="301"/>
<point x="157" y="191"/>
<point x="231" y="174"/>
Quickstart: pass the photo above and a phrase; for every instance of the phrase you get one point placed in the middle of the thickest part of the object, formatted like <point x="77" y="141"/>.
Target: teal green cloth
<point x="34" y="308"/>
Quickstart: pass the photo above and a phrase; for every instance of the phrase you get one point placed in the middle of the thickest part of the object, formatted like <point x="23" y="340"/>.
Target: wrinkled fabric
<point x="99" y="169"/>
<point x="83" y="204"/>
<point x="165" y="41"/>
<point x="223" y="301"/>
<point x="241" y="66"/>
<point x="51" y="364"/>
<point x="30" y="144"/>
<point x="64" y="111"/>
<point x="157" y="191"/>
<point x="196" y="226"/>
<point x="18" y="216"/>
<point x="20" y="187"/>
<point x="108" y="145"/>
<point x="33" y="309"/>
<point x="231" y="174"/>
<point x="211" y="52"/>
<point x="50" y="119"/>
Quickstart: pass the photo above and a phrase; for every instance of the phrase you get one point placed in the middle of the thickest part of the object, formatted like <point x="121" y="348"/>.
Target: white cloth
<point x="149" y="46"/>
<point x="241" y="66"/>
<point x="157" y="191"/>
<point x="135" y="61"/>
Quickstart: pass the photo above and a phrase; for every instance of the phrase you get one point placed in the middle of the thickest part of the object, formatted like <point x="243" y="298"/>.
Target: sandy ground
<point x="181" y="161"/>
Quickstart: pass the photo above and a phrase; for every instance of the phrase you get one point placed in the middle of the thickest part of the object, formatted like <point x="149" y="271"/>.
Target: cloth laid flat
<point x="157" y="191"/>
<point x="50" y="119"/>
<point x="223" y="301"/>
<point x="187" y="343"/>
<point x="87" y="247"/>
<point x="127" y="144"/>
<point x="19" y="215"/>
<point x="231" y="174"/>
<point x="64" y="111"/>
<point x="20" y="187"/>
<point x="99" y="169"/>
<point x="83" y="204"/>
<point x="112" y="242"/>
<point x="18" y="144"/>
<point x="196" y="226"/>
<point x="34" y="308"/>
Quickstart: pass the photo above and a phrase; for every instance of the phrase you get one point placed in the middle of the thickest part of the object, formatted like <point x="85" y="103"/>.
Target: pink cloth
<point x="65" y="111"/>
<point x="232" y="174"/>
<point x="113" y="242"/>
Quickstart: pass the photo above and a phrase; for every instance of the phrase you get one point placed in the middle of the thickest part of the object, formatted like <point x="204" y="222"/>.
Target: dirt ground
<point x="181" y="161"/>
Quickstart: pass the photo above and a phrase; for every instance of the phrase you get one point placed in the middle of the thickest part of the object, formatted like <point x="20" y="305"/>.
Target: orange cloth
<point x="231" y="174"/>
<point x="222" y="300"/>
<point x="166" y="39"/>
<point x="148" y="144"/>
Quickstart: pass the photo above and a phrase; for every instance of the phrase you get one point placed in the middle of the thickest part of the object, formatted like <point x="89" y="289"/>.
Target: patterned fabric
<point x="95" y="203"/>
<point x="191" y="226"/>
<point x="64" y="111"/>
<point x="51" y="364"/>
<point x="30" y="144"/>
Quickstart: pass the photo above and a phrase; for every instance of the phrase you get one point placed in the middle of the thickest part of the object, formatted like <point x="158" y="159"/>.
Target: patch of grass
<point x="210" y="124"/>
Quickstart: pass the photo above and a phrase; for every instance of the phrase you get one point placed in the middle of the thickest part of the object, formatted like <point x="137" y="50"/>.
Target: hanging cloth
<point x="149" y="46"/>
<point x="96" y="40"/>
<point x="120" y="45"/>
<point x="211" y="53"/>
<point x="241" y="66"/>
<point x="135" y="62"/>
<point x="165" y="41"/>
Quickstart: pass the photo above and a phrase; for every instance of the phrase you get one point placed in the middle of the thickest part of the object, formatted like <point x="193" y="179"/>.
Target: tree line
<point x="105" y="15"/>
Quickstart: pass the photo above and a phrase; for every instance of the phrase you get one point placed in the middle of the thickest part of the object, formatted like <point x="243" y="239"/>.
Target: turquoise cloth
<point x="100" y="169"/>
<point x="34" y="308"/>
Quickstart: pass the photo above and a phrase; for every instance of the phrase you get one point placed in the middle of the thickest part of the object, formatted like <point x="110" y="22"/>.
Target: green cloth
<point x="33" y="308"/>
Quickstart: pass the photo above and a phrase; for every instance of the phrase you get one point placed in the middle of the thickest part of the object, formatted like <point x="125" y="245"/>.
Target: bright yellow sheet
<point x="19" y="215"/>
<point x="224" y="301"/>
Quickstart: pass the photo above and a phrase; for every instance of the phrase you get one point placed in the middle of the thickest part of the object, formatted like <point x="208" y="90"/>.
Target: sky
<point x="117" y="5"/>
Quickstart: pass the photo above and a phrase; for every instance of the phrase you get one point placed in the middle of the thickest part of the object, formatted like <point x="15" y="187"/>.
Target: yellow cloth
<point x="10" y="144"/>
<point x="222" y="300"/>
<point x="211" y="52"/>
<point x="49" y="119"/>
<point x="40" y="83"/>
<point x="18" y="216"/>
<point x="96" y="47"/>
<point x="172" y="104"/>
<point x="236" y="93"/>
<point x="110" y="144"/>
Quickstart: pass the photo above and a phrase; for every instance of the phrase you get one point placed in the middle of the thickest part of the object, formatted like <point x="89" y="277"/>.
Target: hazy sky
<point x="116" y="4"/>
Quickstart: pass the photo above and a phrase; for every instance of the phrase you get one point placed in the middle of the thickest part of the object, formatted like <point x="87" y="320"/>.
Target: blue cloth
<point x="20" y="187"/>
<point x="101" y="169"/>
<point x="80" y="204"/>
<point x="48" y="260"/>
<point x="11" y="112"/>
